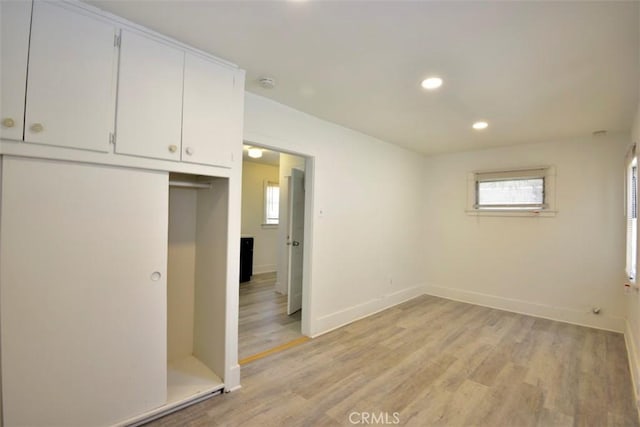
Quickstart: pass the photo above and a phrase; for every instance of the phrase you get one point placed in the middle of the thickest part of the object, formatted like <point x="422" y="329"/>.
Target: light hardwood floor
<point x="436" y="363"/>
<point x="263" y="322"/>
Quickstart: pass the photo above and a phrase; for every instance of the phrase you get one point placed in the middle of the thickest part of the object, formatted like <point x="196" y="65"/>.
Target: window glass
<point x="511" y="193"/>
<point x="632" y="218"/>
<point x="272" y="203"/>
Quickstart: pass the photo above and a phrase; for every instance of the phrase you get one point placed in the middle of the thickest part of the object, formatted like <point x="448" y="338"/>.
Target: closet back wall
<point x="181" y="272"/>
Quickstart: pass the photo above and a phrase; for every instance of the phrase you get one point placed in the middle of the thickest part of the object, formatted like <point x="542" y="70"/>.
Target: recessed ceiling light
<point x="432" y="83"/>
<point x="480" y="125"/>
<point x="255" y="153"/>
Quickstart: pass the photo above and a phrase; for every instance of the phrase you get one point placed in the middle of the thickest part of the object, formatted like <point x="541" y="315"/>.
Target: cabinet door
<point x="149" y="117"/>
<point x="208" y="131"/>
<point x="70" y="96"/>
<point x="83" y="322"/>
<point x="15" y="18"/>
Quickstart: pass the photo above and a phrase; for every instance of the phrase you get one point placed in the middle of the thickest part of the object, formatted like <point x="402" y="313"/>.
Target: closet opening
<point x="196" y="285"/>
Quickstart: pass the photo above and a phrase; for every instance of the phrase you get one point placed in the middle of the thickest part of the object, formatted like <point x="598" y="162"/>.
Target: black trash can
<point x="246" y="259"/>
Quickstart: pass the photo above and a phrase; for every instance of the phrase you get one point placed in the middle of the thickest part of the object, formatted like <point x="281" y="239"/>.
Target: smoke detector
<point x="267" y="82"/>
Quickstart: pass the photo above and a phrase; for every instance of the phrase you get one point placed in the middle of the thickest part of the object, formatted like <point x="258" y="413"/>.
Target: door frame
<point x="263" y="141"/>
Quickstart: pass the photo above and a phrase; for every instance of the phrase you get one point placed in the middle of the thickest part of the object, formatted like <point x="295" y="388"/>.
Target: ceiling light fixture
<point x="480" y="125"/>
<point x="432" y="83"/>
<point x="255" y="153"/>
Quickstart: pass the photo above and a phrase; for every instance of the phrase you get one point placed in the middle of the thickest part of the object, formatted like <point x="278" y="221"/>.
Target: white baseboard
<point x="266" y="268"/>
<point x="563" y="314"/>
<point x="329" y="322"/>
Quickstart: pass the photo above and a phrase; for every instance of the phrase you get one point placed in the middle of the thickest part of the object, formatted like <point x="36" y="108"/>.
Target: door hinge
<point x="116" y="40"/>
<point x="112" y="138"/>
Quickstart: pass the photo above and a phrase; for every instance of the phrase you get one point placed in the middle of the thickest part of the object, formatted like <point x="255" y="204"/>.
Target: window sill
<point x="500" y="212"/>
<point x="269" y="226"/>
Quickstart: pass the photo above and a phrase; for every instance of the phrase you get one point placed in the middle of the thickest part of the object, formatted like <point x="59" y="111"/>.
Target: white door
<point x="15" y="19"/>
<point x="149" y="117"/>
<point x="296" y="240"/>
<point x="209" y="116"/>
<point x="70" y="96"/>
<point x="83" y="287"/>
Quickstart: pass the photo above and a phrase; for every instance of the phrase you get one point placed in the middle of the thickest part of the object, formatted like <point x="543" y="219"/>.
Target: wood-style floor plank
<point x="263" y="322"/>
<point x="434" y="362"/>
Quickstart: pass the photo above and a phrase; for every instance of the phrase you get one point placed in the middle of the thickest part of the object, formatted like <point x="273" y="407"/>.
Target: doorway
<point x="271" y="302"/>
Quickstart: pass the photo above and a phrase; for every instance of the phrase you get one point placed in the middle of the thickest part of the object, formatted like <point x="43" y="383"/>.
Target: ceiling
<point x="535" y="71"/>
<point x="269" y="157"/>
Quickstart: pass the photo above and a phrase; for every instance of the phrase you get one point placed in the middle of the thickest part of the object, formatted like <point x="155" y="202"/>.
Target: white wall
<point x="265" y="238"/>
<point x="556" y="267"/>
<point x="367" y="241"/>
<point x="287" y="162"/>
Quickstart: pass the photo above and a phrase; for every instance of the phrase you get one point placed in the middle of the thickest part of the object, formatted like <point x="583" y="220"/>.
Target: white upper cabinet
<point x="70" y="96"/>
<point x="15" y="18"/>
<point x="73" y="77"/>
<point x="209" y="120"/>
<point x="149" y="116"/>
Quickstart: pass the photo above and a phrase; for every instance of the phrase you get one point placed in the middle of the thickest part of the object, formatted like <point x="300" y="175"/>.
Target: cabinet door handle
<point x="173" y="148"/>
<point x="8" y="122"/>
<point x="189" y="151"/>
<point x="37" y="127"/>
<point x="156" y="275"/>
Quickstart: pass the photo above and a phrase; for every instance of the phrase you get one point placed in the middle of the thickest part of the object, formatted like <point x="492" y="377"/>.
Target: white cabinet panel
<point x="83" y="322"/>
<point x="15" y="19"/>
<point x="149" y="117"/>
<point x="209" y="119"/>
<point x="70" y="97"/>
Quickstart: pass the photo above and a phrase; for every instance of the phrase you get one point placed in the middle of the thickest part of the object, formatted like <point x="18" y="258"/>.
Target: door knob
<point x="8" y="122"/>
<point x="294" y="243"/>
<point x="37" y="127"/>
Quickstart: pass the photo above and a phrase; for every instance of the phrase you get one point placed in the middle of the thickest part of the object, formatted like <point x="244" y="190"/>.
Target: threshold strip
<point x="274" y="350"/>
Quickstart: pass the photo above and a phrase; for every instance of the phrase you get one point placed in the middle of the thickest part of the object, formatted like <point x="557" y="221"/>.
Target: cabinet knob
<point x="156" y="275"/>
<point x="189" y="151"/>
<point x="37" y="127"/>
<point x="173" y="148"/>
<point x="8" y="122"/>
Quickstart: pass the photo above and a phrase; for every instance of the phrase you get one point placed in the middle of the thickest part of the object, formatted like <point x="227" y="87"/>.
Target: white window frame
<point x="631" y="219"/>
<point x="548" y="173"/>
<point x="265" y="220"/>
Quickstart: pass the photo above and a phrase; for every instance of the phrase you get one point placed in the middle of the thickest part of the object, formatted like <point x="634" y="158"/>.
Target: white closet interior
<point x="196" y="282"/>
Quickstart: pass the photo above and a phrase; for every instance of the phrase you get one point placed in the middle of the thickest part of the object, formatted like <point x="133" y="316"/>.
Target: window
<point x="271" y="203"/>
<point x="632" y="214"/>
<point x="512" y="192"/>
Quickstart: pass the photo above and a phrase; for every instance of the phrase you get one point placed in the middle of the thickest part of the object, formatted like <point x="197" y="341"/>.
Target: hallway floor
<point x="263" y="322"/>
